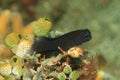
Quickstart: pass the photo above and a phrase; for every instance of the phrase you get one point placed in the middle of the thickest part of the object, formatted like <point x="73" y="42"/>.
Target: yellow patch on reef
<point x="16" y="22"/>
<point x="5" y="52"/>
<point x="27" y="29"/>
<point x="100" y="75"/>
<point x="1" y="78"/>
<point x="42" y="27"/>
<point x="1" y="49"/>
<point x="27" y="32"/>
<point x="4" y="20"/>
<point x="5" y="68"/>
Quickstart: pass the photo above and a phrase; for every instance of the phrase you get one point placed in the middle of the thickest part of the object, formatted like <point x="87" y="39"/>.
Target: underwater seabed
<point x="101" y="17"/>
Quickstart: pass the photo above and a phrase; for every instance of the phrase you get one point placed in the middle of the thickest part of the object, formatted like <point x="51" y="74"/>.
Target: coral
<point x="16" y="22"/>
<point x="75" y="52"/>
<point x="28" y="32"/>
<point x="13" y="39"/>
<point x="17" y="71"/>
<point x="74" y="75"/>
<point x="72" y="64"/>
<point x="28" y="29"/>
<point x="12" y="66"/>
<point x="18" y="43"/>
<point x="5" y="68"/>
<point x="100" y="76"/>
<point x="2" y="78"/>
<point x="67" y="69"/>
<point x="4" y="20"/>
<point x="10" y="77"/>
<point x="42" y="27"/>
<point x="22" y="48"/>
<point x="61" y="76"/>
<point x="93" y="14"/>
<point x="60" y="67"/>
<point x="89" y="68"/>
<point x="17" y="35"/>
<point x="5" y="52"/>
<point x="23" y="37"/>
<point x="16" y="60"/>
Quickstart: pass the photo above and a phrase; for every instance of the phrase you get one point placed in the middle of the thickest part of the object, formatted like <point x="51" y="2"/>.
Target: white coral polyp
<point x="22" y="48"/>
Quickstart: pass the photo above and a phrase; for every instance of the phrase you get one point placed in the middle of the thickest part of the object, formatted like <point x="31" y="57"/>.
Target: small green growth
<point x="15" y="60"/>
<point x="10" y="77"/>
<point x="19" y="36"/>
<point x="17" y="71"/>
<point x="42" y="27"/>
<point x="74" y="75"/>
<point x="26" y="36"/>
<point x="61" y="76"/>
<point x="12" y="39"/>
<point x="47" y="19"/>
<point x="67" y="69"/>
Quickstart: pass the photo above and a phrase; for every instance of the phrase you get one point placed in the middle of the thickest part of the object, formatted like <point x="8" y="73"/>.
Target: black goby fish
<point x="65" y="41"/>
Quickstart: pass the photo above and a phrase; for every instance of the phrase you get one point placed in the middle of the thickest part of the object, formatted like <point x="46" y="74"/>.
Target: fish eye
<point x="86" y="33"/>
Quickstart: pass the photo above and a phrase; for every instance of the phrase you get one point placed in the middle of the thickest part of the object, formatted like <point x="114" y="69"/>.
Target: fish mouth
<point x="87" y="35"/>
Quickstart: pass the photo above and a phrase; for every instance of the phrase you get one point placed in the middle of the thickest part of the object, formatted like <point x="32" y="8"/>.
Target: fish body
<point x="65" y="41"/>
